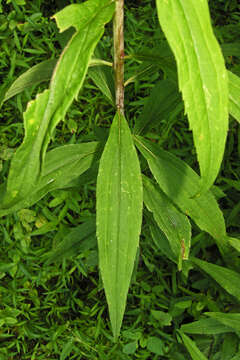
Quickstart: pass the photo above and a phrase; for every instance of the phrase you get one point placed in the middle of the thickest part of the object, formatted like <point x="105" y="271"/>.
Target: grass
<point x="58" y="310"/>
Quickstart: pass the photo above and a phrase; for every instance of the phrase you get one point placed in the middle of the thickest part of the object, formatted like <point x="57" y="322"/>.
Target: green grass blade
<point x="206" y="327"/>
<point x="119" y="216"/>
<point x="174" y="224"/>
<point x="179" y="182"/>
<point x="62" y="165"/>
<point x="227" y="278"/>
<point x="43" y="114"/>
<point x="202" y="77"/>
<point x="192" y="348"/>
<point x="231" y="320"/>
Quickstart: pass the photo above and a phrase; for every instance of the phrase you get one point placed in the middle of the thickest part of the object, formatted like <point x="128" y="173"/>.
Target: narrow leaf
<point x="34" y="76"/>
<point x="119" y="216"/>
<point x="174" y="224"/>
<point x="234" y="95"/>
<point x="160" y="240"/>
<point x="202" y="79"/>
<point x="227" y="278"/>
<point x="192" y="348"/>
<point x="163" y="99"/>
<point x="62" y="166"/>
<point x="43" y="115"/>
<point x="179" y="182"/>
<point x="103" y="78"/>
<point x="206" y="327"/>
<point x="79" y="239"/>
<point x="37" y="74"/>
<point x="231" y="320"/>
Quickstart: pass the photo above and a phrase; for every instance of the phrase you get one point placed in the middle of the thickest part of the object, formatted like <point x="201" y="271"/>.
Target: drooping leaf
<point x="35" y="75"/>
<point x="234" y="95"/>
<point x="179" y="182"/>
<point x="174" y="224"/>
<point x="119" y="216"/>
<point x="39" y="73"/>
<point x="192" y="348"/>
<point x="50" y="107"/>
<point x="206" y="327"/>
<point x="231" y="320"/>
<point x="79" y="239"/>
<point x="226" y="278"/>
<point x="202" y="79"/>
<point x="163" y="99"/>
<point x="62" y="166"/>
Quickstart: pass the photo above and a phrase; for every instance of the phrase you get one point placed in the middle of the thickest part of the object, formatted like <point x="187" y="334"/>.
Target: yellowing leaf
<point x="119" y="216"/>
<point x="202" y="79"/>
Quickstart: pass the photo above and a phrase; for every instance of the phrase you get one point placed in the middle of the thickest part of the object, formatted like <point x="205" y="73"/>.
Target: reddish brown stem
<point x="118" y="31"/>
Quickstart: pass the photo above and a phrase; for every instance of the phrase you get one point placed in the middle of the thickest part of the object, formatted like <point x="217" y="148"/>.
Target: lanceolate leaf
<point x="192" y="348"/>
<point x="202" y="79"/>
<point x="49" y="108"/>
<point x="206" y="327"/>
<point x="162" y="100"/>
<point x="227" y="278"/>
<point x="79" y="239"/>
<point x="234" y="95"/>
<point x="174" y="224"/>
<point x="179" y="182"/>
<point x="62" y="165"/>
<point x="39" y="73"/>
<point x="232" y="320"/>
<point x="119" y="214"/>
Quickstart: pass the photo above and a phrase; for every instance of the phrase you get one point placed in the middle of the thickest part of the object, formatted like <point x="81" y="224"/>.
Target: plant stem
<point x="118" y="33"/>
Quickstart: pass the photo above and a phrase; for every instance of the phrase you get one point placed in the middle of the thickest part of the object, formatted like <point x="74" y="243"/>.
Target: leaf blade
<point x="119" y="213"/>
<point x="179" y="182"/>
<point x="202" y="79"/>
<point x="174" y="224"/>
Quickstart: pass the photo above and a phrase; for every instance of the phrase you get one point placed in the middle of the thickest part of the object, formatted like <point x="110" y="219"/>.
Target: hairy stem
<point x="118" y="33"/>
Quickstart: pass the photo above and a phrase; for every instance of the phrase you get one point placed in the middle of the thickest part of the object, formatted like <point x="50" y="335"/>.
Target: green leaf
<point x="155" y="345"/>
<point x="230" y="320"/>
<point x="43" y="115"/>
<point x="130" y="348"/>
<point x="206" y="327"/>
<point x="235" y="243"/>
<point x="160" y="240"/>
<point x="163" y="99"/>
<point x="179" y="182"/>
<point x="103" y="78"/>
<point x="35" y="75"/>
<point x="79" y="239"/>
<point x="234" y="95"/>
<point x="202" y="79"/>
<point x="119" y="216"/>
<point x="192" y="348"/>
<point x="174" y="224"/>
<point x="62" y="166"/>
<point x="227" y="278"/>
